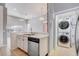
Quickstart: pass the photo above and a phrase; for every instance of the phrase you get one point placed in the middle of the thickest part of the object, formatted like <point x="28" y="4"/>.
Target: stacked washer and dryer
<point x="65" y="32"/>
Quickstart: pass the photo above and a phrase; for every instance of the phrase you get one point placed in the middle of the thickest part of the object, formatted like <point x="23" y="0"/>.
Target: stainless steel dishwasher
<point x="33" y="46"/>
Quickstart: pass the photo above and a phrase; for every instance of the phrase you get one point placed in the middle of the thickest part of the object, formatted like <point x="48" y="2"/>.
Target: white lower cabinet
<point x="25" y="44"/>
<point x="34" y="46"/>
<point x="22" y="42"/>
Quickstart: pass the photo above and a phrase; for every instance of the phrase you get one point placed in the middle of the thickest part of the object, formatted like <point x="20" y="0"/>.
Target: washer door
<point x="63" y="39"/>
<point x="64" y="24"/>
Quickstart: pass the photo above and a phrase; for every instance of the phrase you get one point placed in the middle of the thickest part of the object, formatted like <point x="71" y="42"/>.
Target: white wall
<point x="36" y="25"/>
<point x="51" y="25"/>
<point x="14" y="21"/>
<point x="3" y="22"/>
<point x="64" y="6"/>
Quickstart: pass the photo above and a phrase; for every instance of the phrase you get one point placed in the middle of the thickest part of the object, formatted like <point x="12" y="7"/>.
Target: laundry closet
<point x="67" y="32"/>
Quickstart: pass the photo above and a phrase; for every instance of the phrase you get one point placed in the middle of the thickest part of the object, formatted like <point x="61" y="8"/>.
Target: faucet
<point x="31" y="30"/>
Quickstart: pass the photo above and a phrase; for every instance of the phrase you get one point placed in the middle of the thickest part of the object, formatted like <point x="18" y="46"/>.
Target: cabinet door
<point x="25" y="44"/>
<point x="20" y="42"/>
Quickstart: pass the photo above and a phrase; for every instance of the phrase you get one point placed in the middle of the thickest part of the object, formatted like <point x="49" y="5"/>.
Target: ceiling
<point x="28" y="10"/>
<point x="25" y="10"/>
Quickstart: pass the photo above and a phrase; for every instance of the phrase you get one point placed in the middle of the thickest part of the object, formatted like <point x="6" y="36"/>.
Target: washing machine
<point x="64" y="32"/>
<point x="65" y="29"/>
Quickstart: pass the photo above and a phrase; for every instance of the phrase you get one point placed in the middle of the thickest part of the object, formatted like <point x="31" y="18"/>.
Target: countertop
<point x="34" y="34"/>
<point x="39" y="36"/>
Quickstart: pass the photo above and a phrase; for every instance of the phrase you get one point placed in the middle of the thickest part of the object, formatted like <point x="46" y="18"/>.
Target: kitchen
<point x="27" y="29"/>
